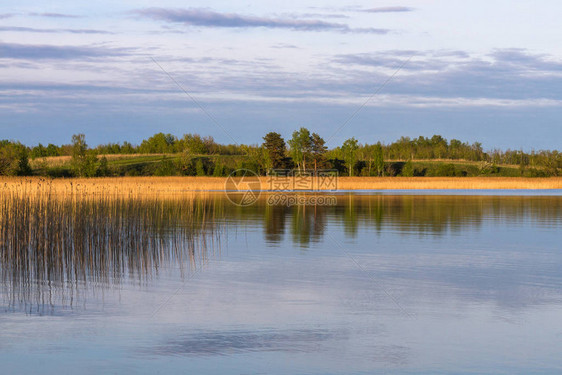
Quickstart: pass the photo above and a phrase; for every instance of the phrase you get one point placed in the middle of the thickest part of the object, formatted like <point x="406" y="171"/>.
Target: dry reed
<point x="170" y="186"/>
<point x="54" y="243"/>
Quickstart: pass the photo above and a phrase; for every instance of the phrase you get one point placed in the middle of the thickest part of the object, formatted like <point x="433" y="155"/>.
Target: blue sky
<point x="488" y="71"/>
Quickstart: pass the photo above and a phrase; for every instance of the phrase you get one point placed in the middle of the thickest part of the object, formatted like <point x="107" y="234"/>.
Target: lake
<point x="394" y="283"/>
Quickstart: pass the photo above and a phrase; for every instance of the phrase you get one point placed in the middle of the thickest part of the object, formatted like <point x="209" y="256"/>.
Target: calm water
<point x="397" y="284"/>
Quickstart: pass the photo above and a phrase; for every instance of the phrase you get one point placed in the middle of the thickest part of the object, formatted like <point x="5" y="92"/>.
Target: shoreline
<point x="174" y="185"/>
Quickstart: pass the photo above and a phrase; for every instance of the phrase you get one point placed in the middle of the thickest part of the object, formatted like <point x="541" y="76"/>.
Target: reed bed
<point x="132" y="187"/>
<point x="61" y="236"/>
<point x="56" y="240"/>
<point x="457" y="183"/>
<point x="169" y="186"/>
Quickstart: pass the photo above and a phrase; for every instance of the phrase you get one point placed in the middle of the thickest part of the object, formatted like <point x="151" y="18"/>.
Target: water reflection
<point x="436" y="215"/>
<point x="192" y="283"/>
<point x="238" y="341"/>
<point x="419" y="214"/>
<point x="53" y="249"/>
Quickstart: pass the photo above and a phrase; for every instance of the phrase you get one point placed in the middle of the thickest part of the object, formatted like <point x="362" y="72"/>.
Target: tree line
<point x="193" y="154"/>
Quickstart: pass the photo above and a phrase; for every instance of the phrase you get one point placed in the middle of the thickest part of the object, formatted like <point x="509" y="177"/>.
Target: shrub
<point x="199" y="168"/>
<point x="14" y="159"/>
<point x="408" y="169"/>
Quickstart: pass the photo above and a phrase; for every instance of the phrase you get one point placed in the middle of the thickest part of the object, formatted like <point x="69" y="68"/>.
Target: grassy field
<point x="163" y="165"/>
<point x="143" y="186"/>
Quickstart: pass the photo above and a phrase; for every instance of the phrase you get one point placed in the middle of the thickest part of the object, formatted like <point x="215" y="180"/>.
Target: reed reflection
<point x="54" y="248"/>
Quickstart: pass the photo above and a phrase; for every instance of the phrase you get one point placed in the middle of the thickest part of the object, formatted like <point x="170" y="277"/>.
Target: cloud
<point x="507" y="78"/>
<point x="517" y="57"/>
<point x="5" y="15"/>
<point x="392" y="59"/>
<point x="53" y="15"/>
<point x="284" y="45"/>
<point x="388" y="10"/>
<point x="499" y="59"/>
<point x="315" y="15"/>
<point x="33" y="30"/>
<point x="43" y="52"/>
<point x="208" y="18"/>
<point x="503" y="77"/>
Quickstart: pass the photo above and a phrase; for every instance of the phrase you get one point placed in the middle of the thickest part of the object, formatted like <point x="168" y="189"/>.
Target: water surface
<point x="379" y="283"/>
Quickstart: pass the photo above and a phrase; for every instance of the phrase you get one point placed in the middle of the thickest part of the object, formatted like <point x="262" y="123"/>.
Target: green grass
<point x="151" y="164"/>
<point x="144" y="159"/>
<point x="463" y="168"/>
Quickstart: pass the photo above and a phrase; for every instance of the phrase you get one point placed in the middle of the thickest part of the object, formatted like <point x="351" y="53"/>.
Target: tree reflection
<point x="53" y="247"/>
<point x="409" y="214"/>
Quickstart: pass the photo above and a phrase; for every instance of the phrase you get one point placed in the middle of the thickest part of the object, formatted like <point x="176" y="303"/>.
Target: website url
<point x="300" y="200"/>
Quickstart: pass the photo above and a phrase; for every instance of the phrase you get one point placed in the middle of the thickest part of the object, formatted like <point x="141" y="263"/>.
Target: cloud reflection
<point x="240" y="341"/>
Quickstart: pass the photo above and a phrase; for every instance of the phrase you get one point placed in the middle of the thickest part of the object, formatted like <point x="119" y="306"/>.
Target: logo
<point x="243" y="187"/>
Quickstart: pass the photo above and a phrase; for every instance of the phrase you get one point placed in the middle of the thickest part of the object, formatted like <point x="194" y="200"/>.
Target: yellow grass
<point x="143" y="186"/>
<point x="57" y="161"/>
<point x="421" y="183"/>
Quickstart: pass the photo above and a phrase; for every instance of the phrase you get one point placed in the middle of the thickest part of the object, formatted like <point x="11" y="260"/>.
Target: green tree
<point x="318" y="150"/>
<point x="199" y="168"/>
<point x="103" y="168"/>
<point x="439" y="146"/>
<point x="52" y="150"/>
<point x="408" y="169"/>
<point x="301" y="146"/>
<point x="14" y="159"/>
<point x="127" y="148"/>
<point x="166" y="167"/>
<point x="349" y="151"/>
<point x="89" y="167"/>
<point x="79" y="147"/>
<point x="219" y="169"/>
<point x="256" y="158"/>
<point x="23" y="161"/>
<point x="276" y="149"/>
<point x="38" y="151"/>
<point x="378" y="159"/>
<point x="477" y="152"/>
<point x="186" y="164"/>
<point x="159" y="143"/>
<point x="196" y="145"/>
<point x="83" y="160"/>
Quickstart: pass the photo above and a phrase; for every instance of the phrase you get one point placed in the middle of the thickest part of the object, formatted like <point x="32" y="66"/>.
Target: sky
<point x="487" y="71"/>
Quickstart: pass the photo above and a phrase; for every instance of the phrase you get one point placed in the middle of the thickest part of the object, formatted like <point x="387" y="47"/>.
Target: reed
<point x="59" y="236"/>
<point x="457" y="183"/>
<point x="170" y="186"/>
<point x="53" y="245"/>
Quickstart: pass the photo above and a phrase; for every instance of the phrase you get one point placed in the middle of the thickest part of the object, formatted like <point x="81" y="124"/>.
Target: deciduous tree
<point x="301" y="146"/>
<point x="349" y="150"/>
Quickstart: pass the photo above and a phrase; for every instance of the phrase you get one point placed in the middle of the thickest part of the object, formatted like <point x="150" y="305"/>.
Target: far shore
<point x="172" y="185"/>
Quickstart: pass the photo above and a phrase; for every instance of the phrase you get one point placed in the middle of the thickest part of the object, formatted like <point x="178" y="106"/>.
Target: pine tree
<point x="318" y="149"/>
<point x="276" y="149"/>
